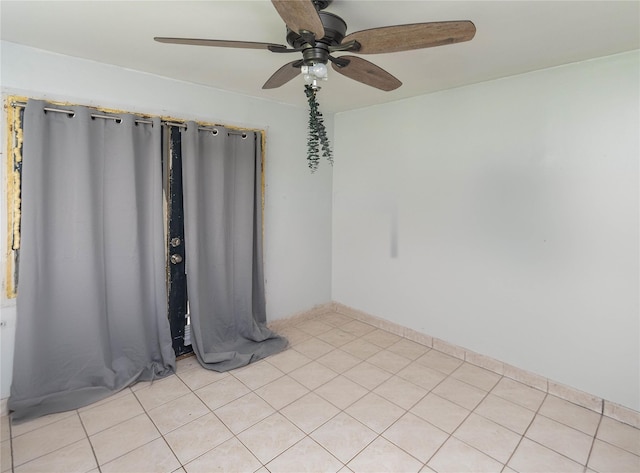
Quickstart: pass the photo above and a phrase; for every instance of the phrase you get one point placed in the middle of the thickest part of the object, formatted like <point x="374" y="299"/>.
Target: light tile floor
<point x="345" y="397"/>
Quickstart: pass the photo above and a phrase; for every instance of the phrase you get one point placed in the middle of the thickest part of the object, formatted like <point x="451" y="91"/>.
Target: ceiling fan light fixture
<point x="313" y="73"/>
<point x="319" y="70"/>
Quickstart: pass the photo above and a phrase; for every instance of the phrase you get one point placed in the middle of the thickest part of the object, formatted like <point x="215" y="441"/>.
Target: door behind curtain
<point x="91" y="304"/>
<point x="222" y="190"/>
<point x="176" y="274"/>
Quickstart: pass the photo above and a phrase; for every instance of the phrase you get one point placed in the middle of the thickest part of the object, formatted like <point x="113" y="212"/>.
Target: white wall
<point x="502" y="217"/>
<point x="298" y="204"/>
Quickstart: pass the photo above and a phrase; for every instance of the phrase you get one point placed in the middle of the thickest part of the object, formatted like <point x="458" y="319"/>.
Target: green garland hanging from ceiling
<point x="317" y="142"/>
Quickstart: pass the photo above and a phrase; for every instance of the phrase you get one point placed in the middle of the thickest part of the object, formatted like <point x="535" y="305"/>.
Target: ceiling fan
<point x="317" y="34"/>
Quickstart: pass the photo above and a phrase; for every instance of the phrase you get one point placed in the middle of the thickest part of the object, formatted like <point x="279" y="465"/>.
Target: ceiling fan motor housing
<point x="321" y="4"/>
<point x="335" y="29"/>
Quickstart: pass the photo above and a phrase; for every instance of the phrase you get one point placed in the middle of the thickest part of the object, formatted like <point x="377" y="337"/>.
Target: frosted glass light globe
<point x="319" y="70"/>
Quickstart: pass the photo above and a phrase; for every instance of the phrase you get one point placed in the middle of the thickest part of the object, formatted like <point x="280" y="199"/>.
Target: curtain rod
<point x="138" y="120"/>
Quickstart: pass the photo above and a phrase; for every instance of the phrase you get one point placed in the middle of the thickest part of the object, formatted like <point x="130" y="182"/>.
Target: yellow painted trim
<point x="14" y="155"/>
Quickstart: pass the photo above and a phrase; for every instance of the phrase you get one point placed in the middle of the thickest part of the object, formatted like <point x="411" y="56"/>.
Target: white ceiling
<point x="512" y="37"/>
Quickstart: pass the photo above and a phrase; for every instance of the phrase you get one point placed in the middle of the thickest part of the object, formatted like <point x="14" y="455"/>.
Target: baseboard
<point x="571" y="394"/>
<point x="301" y="316"/>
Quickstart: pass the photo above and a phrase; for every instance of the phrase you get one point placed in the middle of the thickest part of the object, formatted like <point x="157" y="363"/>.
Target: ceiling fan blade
<point x="366" y="72"/>
<point x="390" y="39"/>
<point x="300" y="15"/>
<point x="283" y="75"/>
<point x="218" y="43"/>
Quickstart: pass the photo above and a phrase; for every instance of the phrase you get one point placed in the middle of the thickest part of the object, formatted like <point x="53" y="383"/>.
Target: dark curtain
<point x="91" y="305"/>
<point x="223" y="242"/>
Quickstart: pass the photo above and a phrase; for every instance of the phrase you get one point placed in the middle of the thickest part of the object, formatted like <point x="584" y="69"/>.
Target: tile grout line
<point x="278" y="411"/>
<point x="408" y="411"/>
<point x="93" y="451"/>
<point x="593" y="443"/>
<point x="162" y="435"/>
<point x="550" y="448"/>
<point x="430" y="391"/>
<point x="11" y="442"/>
<point x="471" y="411"/>
<point x="72" y="412"/>
<point x="566" y="424"/>
<point x="522" y="436"/>
<point x="235" y="435"/>
<point x="211" y="411"/>
<point x="613" y="444"/>
<point x="158" y="429"/>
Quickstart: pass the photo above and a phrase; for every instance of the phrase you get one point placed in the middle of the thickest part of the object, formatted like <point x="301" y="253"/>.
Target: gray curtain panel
<point x="223" y="243"/>
<point x="92" y="307"/>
